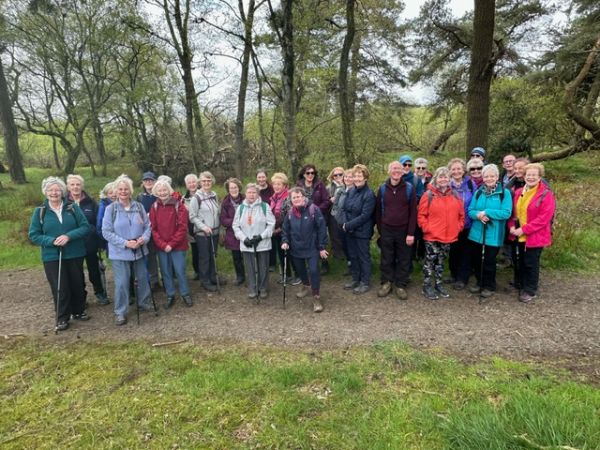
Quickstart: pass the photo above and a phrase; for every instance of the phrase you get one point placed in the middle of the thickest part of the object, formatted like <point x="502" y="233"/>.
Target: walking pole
<point x="255" y="245"/>
<point x="135" y="284"/>
<point x="517" y="267"/>
<point x="102" y="268"/>
<point x="482" y="261"/>
<point x="214" y="255"/>
<point x="58" y="289"/>
<point x="145" y="256"/>
<point x="284" y="275"/>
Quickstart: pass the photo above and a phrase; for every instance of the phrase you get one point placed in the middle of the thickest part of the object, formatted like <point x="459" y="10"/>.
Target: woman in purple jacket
<point x="230" y="203"/>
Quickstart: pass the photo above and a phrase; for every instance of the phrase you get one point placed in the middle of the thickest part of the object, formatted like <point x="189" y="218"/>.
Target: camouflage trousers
<point x="433" y="265"/>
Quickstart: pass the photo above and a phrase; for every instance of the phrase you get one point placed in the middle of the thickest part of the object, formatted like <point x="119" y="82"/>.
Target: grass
<point x="131" y="395"/>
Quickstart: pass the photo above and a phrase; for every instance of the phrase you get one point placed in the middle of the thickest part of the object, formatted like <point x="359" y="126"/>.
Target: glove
<point x="256" y="239"/>
<point x="248" y="242"/>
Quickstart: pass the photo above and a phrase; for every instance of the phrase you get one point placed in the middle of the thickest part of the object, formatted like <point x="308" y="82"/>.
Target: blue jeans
<point x="169" y="262"/>
<point x="122" y="274"/>
<point x="311" y="277"/>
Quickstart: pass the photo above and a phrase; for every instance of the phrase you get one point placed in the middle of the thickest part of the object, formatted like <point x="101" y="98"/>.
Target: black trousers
<point x="206" y="263"/>
<point x="337" y="246"/>
<point x="195" y="257"/>
<point x="91" y="261"/>
<point x="238" y="264"/>
<point x="526" y="267"/>
<point x="72" y="286"/>
<point x="459" y="259"/>
<point x="276" y="243"/>
<point x="489" y="265"/>
<point x="395" y="257"/>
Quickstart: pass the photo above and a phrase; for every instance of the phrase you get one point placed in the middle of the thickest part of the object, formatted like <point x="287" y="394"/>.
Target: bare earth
<point x="562" y="326"/>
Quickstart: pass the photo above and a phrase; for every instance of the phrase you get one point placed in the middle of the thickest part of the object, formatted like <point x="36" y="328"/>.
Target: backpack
<point x="430" y="196"/>
<point x="262" y="204"/>
<point x="410" y="187"/>
<point x="42" y="212"/>
<point x="136" y="204"/>
<point x="479" y="192"/>
<point x="311" y="210"/>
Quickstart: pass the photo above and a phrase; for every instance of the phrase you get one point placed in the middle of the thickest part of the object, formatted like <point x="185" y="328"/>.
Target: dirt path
<point x="563" y="324"/>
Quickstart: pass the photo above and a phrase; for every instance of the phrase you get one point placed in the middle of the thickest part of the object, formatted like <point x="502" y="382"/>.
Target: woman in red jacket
<point x="531" y="225"/>
<point x="169" y="220"/>
<point x="441" y="216"/>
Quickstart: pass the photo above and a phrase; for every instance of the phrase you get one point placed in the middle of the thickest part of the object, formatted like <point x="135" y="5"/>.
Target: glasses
<point x="473" y="169"/>
<point x="407" y="164"/>
<point x="420" y="168"/>
<point x="476" y="155"/>
<point x="311" y="172"/>
<point x="338" y="174"/>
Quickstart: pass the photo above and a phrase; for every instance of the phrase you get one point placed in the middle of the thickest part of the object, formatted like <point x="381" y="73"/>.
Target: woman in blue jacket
<point x="59" y="227"/>
<point x="358" y="214"/>
<point x="490" y="208"/>
<point x="304" y="232"/>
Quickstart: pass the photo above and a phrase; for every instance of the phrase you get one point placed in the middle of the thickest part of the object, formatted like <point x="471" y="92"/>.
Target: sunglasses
<point x="309" y="172"/>
<point x="473" y="169"/>
<point x="420" y="168"/>
<point x="338" y="174"/>
<point x="476" y="155"/>
<point x="407" y="165"/>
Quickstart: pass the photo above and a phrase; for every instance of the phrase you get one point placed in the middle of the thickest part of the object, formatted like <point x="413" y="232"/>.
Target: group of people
<point x="464" y="212"/>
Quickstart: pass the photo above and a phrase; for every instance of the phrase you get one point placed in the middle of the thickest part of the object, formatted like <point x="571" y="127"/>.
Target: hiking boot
<point x="486" y="293"/>
<point x="401" y="293"/>
<point x="210" y="287"/>
<point x="145" y="307"/>
<point x="222" y="281"/>
<point x="187" y="300"/>
<point x="303" y="292"/>
<point x="295" y="281"/>
<point x="524" y="297"/>
<point x="170" y="301"/>
<point x="429" y="292"/>
<point x="475" y="289"/>
<point x="385" y="289"/>
<point x="102" y="299"/>
<point x="239" y="281"/>
<point x="351" y="285"/>
<point x="317" y="305"/>
<point x="120" y="320"/>
<point x="62" y="325"/>
<point x="361" y="289"/>
<point x="442" y="292"/>
<point x="263" y="294"/>
<point x="83" y="316"/>
<point x="252" y="295"/>
<point x="458" y="286"/>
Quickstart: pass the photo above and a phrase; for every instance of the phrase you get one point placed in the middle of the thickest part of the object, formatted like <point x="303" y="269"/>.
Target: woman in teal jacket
<point x="60" y="228"/>
<point x="490" y="208"/>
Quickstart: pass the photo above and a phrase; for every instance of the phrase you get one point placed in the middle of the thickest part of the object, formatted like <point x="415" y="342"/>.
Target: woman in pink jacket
<point x="531" y="225"/>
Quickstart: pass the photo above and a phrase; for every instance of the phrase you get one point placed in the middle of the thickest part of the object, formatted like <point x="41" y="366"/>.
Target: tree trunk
<point x="288" y="88"/>
<point x="344" y="94"/>
<point x="99" y="138"/>
<point x="481" y="71"/>
<point x="241" y="106"/>
<point x="55" y="153"/>
<point x="261" y="119"/>
<point x="11" y="137"/>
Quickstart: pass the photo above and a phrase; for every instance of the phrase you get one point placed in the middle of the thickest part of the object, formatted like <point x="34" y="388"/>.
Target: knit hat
<point x="478" y="151"/>
<point x="405" y="158"/>
<point x="149" y="176"/>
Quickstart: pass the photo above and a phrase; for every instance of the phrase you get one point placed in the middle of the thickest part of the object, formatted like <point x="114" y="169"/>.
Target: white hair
<point x="110" y="186"/>
<point x="166" y="178"/>
<point x="161" y="183"/>
<point x="76" y="177"/>
<point x="125" y="179"/>
<point x="490" y="168"/>
<point x="50" y="181"/>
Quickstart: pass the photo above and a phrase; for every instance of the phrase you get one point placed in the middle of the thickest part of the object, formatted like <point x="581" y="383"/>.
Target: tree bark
<point x="288" y="88"/>
<point x="344" y="94"/>
<point x="11" y="136"/>
<point x="481" y="72"/>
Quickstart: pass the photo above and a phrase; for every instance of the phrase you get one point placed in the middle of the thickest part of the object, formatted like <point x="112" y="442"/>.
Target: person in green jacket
<point x="59" y="227"/>
<point x="490" y="208"/>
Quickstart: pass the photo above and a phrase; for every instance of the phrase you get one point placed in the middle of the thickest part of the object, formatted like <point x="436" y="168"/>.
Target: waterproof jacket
<point x="411" y="178"/>
<point x="169" y="224"/>
<point x="441" y="215"/>
<point x="358" y="210"/>
<point x="43" y="232"/>
<point x="497" y="209"/>
<point x="465" y="192"/>
<point x="253" y="219"/>
<point x="266" y="193"/>
<point x="317" y="194"/>
<point x="540" y="212"/>
<point x="204" y="211"/>
<point x="338" y="204"/>
<point x="102" y="204"/>
<point x="120" y="225"/>
<point x="146" y="198"/>
<point x="305" y="230"/>
<point x="397" y="210"/>
<point x="277" y="203"/>
<point x="90" y="210"/>
<point x="228" y="208"/>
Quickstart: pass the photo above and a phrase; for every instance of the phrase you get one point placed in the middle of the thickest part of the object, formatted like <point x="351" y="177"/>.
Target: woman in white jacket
<point x="253" y="226"/>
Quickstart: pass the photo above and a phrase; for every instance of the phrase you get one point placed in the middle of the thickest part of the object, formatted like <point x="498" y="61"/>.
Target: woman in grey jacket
<point x="253" y="226"/>
<point x="204" y="214"/>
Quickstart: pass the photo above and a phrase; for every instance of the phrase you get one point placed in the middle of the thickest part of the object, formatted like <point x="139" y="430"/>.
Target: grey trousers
<point x="263" y="271"/>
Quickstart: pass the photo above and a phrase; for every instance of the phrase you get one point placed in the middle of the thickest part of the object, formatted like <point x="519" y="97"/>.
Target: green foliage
<point x="382" y="396"/>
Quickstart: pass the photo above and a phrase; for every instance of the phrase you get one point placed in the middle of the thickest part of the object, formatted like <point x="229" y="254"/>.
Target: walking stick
<point x="214" y="255"/>
<point x="285" y="255"/>
<point x="58" y="289"/>
<point x="485" y="224"/>
<point x="255" y="245"/>
<point x="102" y="268"/>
